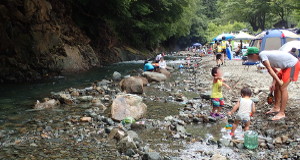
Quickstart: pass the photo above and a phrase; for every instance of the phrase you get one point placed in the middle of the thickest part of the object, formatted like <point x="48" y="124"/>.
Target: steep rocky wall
<point x="39" y="38"/>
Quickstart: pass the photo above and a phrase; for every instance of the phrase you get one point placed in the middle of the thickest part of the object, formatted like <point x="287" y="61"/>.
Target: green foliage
<point x="148" y="23"/>
<point x="214" y="30"/>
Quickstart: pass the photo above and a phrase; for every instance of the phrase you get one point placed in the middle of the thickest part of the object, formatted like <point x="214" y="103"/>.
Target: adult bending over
<point x="289" y="66"/>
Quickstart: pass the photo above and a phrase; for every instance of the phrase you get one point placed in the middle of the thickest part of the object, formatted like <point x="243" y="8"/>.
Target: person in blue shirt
<point x="148" y="66"/>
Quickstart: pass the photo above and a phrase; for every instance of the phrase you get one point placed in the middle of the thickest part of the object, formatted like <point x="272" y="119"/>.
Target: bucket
<point x="251" y="139"/>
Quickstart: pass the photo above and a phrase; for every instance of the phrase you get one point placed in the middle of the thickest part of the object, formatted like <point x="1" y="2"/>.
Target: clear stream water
<point x="16" y="98"/>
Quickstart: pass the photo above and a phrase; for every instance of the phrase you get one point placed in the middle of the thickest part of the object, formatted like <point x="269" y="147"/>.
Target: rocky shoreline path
<point x="176" y="125"/>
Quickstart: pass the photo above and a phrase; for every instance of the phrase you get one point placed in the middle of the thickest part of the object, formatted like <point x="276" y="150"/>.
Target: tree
<point x="252" y="11"/>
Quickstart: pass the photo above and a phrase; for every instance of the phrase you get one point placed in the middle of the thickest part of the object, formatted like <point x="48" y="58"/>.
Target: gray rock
<point x="240" y="145"/>
<point x="151" y="156"/>
<point x="117" y="76"/>
<point x="104" y="82"/>
<point x="128" y="105"/>
<point x="85" y="98"/>
<point x="125" y="144"/>
<point x="133" y="135"/>
<point x="270" y="146"/>
<point x="180" y="128"/>
<point x="212" y="119"/>
<point x="130" y="152"/>
<point x="206" y="95"/>
<point x="109" y="121"/>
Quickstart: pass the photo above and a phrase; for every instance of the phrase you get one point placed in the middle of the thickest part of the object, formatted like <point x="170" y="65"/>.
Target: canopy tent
<point x="292" y="44"/>
<point x="243" y="36"/>
<point x="226" y="35"/>
<point x="273" y="39"/>
<point x="289" y="45"/>
<point x="197" y="44"/>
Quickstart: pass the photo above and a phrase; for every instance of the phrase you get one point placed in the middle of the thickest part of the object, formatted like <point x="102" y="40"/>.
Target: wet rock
<point x="75" y="93"/>
<point x="125" y="144"/>
<point x="225" y="142"/>
<point x="99" y="104"/>
<point x="47" y="104"/>
<point x="180" y="98"/>
<point x="218" y="157"/>
<point x="130" y="152"/>
<point x="180" y="128"/>
<point x="154" y="76"/>
<point x="270" y="146"/>
<point x="263" y="145"/>
<point x="206" y="95"/>
<point x="116" y="133"/>
<point x="63" y="98"/>
<point x="128" y="105"/>
<point x="85" y="98"/>
<point x="212" y="119"/>
<point x="133" y="85"/>
<point x="86" y="119"/>
<point x="151" y="156"/>
<point x="133" y="135"/>
<point x="165" y="72"/>
<point x="109" y="121"/>
<point x="284" y="138"/>
<point x="278" y="140"/>
<point x="117" y="76"/>
<point x="270" y="132"/>
<point x="103" y="82"/>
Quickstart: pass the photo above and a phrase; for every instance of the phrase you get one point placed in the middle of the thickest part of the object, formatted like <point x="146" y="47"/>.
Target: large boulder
<point x="133" y="84"/>
<point x="154" y="76"/>
<point x="128" y="105"/>
<point x="165" y="72"/>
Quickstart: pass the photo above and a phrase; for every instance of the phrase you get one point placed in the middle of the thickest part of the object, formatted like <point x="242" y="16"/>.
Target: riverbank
<point x="176" y="124"/>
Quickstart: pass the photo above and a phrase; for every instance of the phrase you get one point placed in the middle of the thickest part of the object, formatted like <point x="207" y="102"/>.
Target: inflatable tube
<point x="228" y="52"/>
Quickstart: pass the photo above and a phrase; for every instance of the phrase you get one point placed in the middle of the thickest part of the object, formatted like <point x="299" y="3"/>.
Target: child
<point x="246" y="110"/>
<point x="216" y="95"/>
<point x="218" y="54"/>
<point x="188" y="60"/>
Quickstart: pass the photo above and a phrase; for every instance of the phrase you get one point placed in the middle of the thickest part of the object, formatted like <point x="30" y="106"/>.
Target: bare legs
<point x="281" y="97"/>
<point x="236" y="123"/>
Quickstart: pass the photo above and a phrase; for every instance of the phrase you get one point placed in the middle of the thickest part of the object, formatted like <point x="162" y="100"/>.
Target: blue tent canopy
<point x="273" y="39"/>
<point x="197" y="44"/>
<point x="226" y="35"/>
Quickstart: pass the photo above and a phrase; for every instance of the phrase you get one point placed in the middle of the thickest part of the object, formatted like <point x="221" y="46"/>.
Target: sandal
<point x="276" y="118"/>
<point x="272" y="112"/>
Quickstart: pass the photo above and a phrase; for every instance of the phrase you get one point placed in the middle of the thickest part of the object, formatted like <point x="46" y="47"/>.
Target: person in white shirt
<point x="246" y="110"/>
<point x="162" y="63"/>
<point x="157" y="58"/>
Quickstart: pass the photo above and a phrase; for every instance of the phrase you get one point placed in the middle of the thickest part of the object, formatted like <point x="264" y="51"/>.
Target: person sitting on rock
<point x="216" y="95"/>
<point x="290" y="67"/>
<point x="162" y="63"/>
<point x="148" y="66"/>
<point x="246" y="109"/>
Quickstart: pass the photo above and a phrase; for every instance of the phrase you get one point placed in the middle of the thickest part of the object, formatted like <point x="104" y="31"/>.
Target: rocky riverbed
<point x="176" y="125"/>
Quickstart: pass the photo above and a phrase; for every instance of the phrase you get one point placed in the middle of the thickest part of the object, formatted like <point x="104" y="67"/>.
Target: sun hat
<point x="252" y="50"/>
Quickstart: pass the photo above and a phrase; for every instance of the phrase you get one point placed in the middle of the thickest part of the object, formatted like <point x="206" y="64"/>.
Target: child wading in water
<point x="246" y="110"/>
<point x="216" y="95"/>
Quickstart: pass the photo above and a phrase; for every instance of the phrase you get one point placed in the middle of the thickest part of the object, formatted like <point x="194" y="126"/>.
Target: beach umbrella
<point x="243" y="36"/>
<point x="197" y="44"/>
<point x="226" y="35"/>
<point x="289" y="45"/>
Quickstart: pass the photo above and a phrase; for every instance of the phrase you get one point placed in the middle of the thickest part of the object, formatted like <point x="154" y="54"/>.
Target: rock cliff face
<point x="39" y="38"/>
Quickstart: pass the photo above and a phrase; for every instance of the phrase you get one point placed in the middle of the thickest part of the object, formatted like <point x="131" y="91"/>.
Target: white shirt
<point x="157" y="58"/>
<point x="245" y="106"/>
<point x="162" y="64"/>
<point x="278" y="59"/>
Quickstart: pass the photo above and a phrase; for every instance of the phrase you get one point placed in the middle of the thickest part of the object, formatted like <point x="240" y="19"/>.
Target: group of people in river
<point x="289" y="66"/>
<point x="158" y="63"/>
